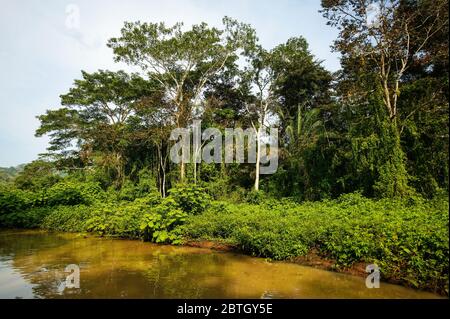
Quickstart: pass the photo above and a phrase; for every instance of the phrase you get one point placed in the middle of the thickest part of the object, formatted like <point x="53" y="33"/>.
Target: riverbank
<point x="406" y="238"/>
<point x="311" y="259"/>
<point x="32" y="264"/>
<point x="409" y="242"/>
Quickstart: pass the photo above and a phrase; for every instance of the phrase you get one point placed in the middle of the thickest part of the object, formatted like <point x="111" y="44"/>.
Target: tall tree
<point x="387" y="34"/>
<point x="181" y="61"/>
<point x="379" y="41"/>
<point x="302" y="91"/>
<point x="258" y="78"/>
<point x="94" y="116"/>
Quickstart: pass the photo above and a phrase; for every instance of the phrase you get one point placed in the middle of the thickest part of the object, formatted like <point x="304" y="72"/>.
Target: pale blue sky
<point x="40" y="56"/>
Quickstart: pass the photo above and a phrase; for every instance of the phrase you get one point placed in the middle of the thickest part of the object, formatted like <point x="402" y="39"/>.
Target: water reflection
<point x="32" y="265"/>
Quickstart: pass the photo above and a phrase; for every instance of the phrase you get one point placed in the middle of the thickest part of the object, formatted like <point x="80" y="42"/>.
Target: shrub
<point x="277" y="244"/>
<point x="67" y="218"/>
<point x="192" y="199"/>
<point x="113" y="219"/>
<point x="30" y="218"/>
<point x="128" y="191"/>
<point x="14" y="208"/>
<point x="131" y="191"/>
<point x="407" y="238"/>
<point x="162" y="223"/>
<point x="255" y="197"/>
<point x="13" y="200"/>
<point x="72" y="193"/>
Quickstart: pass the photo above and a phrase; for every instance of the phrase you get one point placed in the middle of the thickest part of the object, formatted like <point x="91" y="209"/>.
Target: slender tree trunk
<point x="182" y="171"/>
<point x="120" y="169"/>
<point x="162" y="170"/>
<point x="159" y="179"/>
<point x="258" y="154"/>
<point x="163" y="184"/>
<point x="195" y="173"/>
<point x="194" y="160"/>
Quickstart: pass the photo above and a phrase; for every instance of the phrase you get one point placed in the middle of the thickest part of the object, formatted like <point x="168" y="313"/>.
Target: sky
<point x="44" y="45"/>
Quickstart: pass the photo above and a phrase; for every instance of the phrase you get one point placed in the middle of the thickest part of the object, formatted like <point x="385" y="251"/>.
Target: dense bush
<point x="19" y="208"/>
<point x="130" y="190"/>
<point x="72" y="193"/>
<point x="161" y="224"/>
<point x="408" y="239"/>
<point x="37" y="175"/>
<point x="192" y="199"/>
<point x="16" y="208"/>
<point x="67" y="218"/>
<point x="120" y="220"/>
<point x="30" y="218"/>
<point x="12" y="200"/>
<point x="255" y="197"/>
<point x="112" y="218"/>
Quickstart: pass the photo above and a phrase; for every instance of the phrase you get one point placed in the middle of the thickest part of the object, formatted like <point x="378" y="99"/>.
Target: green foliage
<point x="37" y="175"/>
<point x="7" y="174"/>
<point x="407" y="238"/>
<point x="130" y="190"/>
<point x="162" y="223"/>
<point x="217" y="187"/>
<point x="67" y="218"/>
<point x="72" y="193"/>
<point x="339" y="133"/>
<point x="16" y="208"/>
<point x="192" y="199"/>
<point x="30" y="218"/>
<point x="336" y="145"/>
<point x="116" y="220"/>
<point x="255" y="197"/>
<point x="12" y="200"/>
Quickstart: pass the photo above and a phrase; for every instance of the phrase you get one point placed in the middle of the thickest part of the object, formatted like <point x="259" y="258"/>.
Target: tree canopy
<point x="379" y="125"/>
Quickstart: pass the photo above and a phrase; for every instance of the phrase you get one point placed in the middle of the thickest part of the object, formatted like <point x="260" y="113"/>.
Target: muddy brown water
<point x="32" y="265"/>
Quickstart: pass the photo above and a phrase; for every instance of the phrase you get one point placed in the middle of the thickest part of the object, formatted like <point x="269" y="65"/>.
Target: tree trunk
<point x="182" y="171"/>
<point x="163" y="185"/>
<point x="195" y="173"/>
<point x="258" y="154"/>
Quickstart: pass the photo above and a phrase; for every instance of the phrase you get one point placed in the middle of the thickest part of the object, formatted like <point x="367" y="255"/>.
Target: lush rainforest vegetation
<point x="363" y="152"/>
